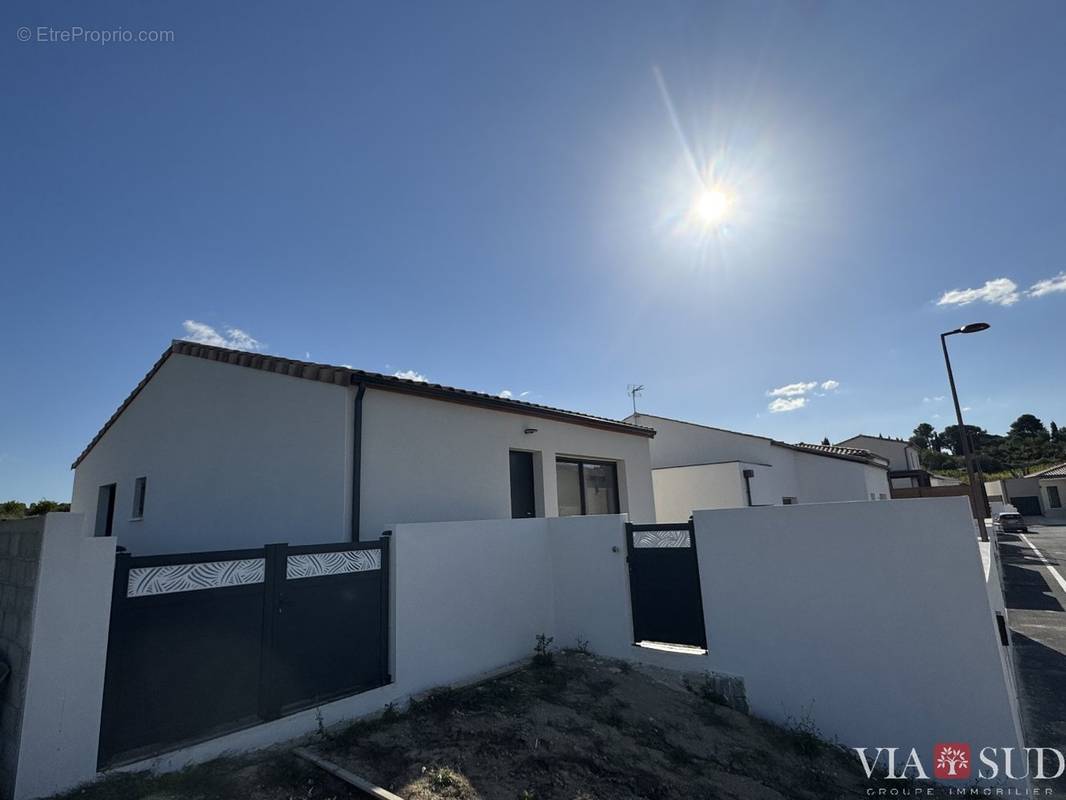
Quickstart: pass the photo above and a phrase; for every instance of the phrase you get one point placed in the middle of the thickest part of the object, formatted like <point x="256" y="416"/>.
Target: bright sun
<point x="711" y="206"/>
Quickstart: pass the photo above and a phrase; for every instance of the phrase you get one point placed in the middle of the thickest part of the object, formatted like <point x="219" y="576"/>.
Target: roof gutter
<point x="357" y="459"/>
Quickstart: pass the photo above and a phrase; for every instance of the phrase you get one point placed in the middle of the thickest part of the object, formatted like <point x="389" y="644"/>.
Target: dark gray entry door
<point x="523" y="497"/>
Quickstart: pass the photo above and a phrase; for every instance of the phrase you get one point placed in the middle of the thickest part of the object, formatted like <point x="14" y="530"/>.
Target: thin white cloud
<point x="524" y="394"/>
<point x="1000" y="292"/>
<point x="783" y="404"/>
<point x="1048" y="286"/>
<point x="411" y="375"/>
<point x="792" y="389"/>
<point x="939" y="398"/>
<point x="234" y="338"/>
<point x="506" y="394"/>
<point x="830" y="385"/>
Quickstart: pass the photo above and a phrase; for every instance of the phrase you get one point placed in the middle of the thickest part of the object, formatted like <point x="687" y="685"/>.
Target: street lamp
<point x="977" y="494"/>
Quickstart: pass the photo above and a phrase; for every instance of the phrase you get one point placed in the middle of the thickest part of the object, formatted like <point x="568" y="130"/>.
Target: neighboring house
<point x="1040" y="493"/>
<point x="905" y="468"/>
<point x="220" y="449"/>
<point x="700" y="467"/>
<point x="1052" y="489"/>
<point x="1022" y="493"/>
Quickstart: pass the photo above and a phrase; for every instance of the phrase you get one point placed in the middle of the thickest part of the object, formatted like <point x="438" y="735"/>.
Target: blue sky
<point x="497" y="196"/>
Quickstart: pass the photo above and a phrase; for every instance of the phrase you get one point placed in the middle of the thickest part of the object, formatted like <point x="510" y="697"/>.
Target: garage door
<point x="1027" y="506"/>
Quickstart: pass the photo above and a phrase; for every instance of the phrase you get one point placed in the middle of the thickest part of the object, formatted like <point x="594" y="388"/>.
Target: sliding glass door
<point x="586" y="487"/>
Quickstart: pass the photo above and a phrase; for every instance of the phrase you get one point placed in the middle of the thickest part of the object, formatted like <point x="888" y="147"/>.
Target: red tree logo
<point x="951" y="761"/>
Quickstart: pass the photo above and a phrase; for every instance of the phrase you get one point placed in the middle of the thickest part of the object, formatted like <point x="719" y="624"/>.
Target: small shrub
<point x="706" y="690"/>
<point x="527" y="794"/>
<point x="442" y="778"/>
<point x="542" y="651"/>
<point x="390" y="713"/>
<point x="440" y="702"/>
<point x="583" y="646"/>
<point x="804" y="736"/>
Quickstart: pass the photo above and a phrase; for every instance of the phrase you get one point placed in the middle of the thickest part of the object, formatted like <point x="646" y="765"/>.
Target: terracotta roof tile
<point x="1057" y="471"/>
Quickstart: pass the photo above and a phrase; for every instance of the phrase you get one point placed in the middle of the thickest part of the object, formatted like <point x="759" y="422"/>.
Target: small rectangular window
<point x="788" y="501"/>
<point x="139" y="489"/>
<point x="1053" y="497"/>
<point x="883" y="496"/>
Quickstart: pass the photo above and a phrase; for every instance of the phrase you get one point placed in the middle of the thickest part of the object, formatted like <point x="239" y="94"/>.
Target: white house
<point x="221" y="449"/>
<point x="1052" y="489"/>
<point x="905" y="468"/>
<point x="697" y="467"/>
<point x="1040" y="493"/>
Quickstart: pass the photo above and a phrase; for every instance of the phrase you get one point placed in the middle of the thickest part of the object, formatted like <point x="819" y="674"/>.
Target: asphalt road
<point x="1035" y="593"/>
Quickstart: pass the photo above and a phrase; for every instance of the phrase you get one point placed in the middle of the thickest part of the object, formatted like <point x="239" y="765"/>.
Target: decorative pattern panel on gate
<point x="173" y="578"/>
<point x="315" y="565"/>
<point x="664" y="538"/>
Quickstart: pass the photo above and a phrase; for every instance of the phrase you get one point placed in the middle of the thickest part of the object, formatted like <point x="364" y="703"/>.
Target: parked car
<point x="1010" y="522"/>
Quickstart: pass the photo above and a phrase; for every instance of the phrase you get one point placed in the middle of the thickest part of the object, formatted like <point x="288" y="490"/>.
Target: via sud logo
<point x="954" y="761"/>
<point x="951" y="761"/>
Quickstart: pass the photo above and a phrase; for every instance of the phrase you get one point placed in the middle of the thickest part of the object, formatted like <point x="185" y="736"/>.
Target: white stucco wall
<point x="427" y="461"/>
<point x="237" y="457"/>
<point x="234" y="457"/>
<point x="678" y="490"/>
<point x="678" y="444"/>
<point x="68" y="653"/>
<point x="710" y="463"/>
<point x="1045" y="497"/>
<point x="900" y="454"/>
<point x="826" y="610"/>
<point x="823" y="610"/>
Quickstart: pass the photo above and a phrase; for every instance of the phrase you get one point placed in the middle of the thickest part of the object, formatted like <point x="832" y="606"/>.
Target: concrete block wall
<point x="20" y="553"/>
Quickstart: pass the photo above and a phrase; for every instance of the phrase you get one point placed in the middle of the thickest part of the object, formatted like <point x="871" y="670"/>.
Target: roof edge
<point x="347" y="376"/>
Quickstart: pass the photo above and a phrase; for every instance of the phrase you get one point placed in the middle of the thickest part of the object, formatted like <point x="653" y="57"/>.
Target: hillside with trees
<point x="1027" y="446"/>
<point x="16" y="509"/>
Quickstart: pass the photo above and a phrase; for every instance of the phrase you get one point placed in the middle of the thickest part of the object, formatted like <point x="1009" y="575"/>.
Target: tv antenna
<point x="635" y="390"/>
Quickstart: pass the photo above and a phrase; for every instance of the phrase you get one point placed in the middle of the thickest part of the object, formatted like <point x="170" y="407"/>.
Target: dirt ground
<point x="579" y="728"/>
<point x="585" y="728"/>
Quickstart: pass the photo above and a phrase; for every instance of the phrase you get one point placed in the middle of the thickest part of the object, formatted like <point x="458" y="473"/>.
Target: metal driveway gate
<point x="202" y="644"/>
<point x="664" y="584"/>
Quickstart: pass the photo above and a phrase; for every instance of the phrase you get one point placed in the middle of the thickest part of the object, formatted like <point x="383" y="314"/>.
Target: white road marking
<point x="1054" y="572"/>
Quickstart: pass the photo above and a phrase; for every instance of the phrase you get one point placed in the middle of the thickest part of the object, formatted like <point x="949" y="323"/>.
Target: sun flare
<point x="711" y="206"/>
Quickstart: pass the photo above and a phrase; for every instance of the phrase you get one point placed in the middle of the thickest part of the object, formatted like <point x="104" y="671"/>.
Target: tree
<point x="979" y="438"/>
<point x="45" y="506"/>
<point x="934" y="460"/>
<point x="825" y="439"/>
<point x="924" y="436"/>
<point x="16" y="509"/>
<point x="1027" y="426"/>
<point x="12" y="509"/>
<point x="1054" y="431"/>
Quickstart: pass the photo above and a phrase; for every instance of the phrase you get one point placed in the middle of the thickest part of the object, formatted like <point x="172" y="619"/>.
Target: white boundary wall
<point x="872" y="618"/>
<point x="68" y="651"/>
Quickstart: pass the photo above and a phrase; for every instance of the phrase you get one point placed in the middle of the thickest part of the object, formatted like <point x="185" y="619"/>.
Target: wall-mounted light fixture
<point x="529" y="430"/>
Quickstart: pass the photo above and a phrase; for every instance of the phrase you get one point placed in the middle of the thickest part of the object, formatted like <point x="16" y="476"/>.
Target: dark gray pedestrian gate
<point x="664" y="584"/>
<point x="202" y="644"/>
